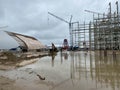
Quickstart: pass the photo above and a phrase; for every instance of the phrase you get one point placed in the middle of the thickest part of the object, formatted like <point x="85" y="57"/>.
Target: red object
<point x="65" y="44"/>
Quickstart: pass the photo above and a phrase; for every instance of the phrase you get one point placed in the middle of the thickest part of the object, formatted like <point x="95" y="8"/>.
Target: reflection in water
<point x="107" y="70"/>
<point x="78" y="65"/>
<point x="53" y="57"/>
<point x="104" y="69"/>
<point x="100" y="67"/>
<point x="77" y="70"/>
<point x="64" y="56"/>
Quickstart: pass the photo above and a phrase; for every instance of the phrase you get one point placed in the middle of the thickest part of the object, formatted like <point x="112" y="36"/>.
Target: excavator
<point x="53" y="49"/>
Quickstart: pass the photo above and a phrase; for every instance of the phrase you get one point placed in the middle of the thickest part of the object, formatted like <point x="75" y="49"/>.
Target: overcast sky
<point x="31" y="17"/>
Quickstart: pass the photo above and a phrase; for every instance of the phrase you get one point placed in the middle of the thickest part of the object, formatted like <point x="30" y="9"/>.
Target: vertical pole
<point x="98" y="32"/>
<point x="117" y="8"/>
<point x="110" y="9"/>
<point x="71" y="38"/>
<point x="118" y="22"/>
<point x="78" y="36"/>
<point x="109" y="27"/>
<point x="93" y="32"/>
<point x="90" y="36"/>
<point x="84" y="37"/>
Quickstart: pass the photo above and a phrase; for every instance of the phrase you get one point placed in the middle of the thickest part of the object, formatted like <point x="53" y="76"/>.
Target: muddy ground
<point x="12" y="77"/>
<point x="77" y="70"/>
<point x="7" y="84"/>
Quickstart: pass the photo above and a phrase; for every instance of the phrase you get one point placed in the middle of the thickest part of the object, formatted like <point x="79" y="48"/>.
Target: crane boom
<point x="68" y="22"/>
<point x="58" y="18"/>
<point x="94" y="12"/>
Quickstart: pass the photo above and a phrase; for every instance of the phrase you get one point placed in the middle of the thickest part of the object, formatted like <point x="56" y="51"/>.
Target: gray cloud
<point x="7" y="42"/>
<point x="30" y="17"/>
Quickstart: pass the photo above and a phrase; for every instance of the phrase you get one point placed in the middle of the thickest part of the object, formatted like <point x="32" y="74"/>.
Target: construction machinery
<point x="94" y="12"/>
<point x="68" y="22"/>
<point x="65" y="44"/>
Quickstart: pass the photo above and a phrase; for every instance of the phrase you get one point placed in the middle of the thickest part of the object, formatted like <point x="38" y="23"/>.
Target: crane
<point x="95" y="12"/>
<point x="58" y="18"/>
<point x="68" y="22"/>
<point x="61" y="18"/>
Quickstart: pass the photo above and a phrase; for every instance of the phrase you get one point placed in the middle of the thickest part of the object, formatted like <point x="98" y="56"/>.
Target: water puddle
<point x="78" y="70"/>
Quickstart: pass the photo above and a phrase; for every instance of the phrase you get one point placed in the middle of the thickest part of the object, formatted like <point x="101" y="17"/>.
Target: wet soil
<point x="78" y="70"/>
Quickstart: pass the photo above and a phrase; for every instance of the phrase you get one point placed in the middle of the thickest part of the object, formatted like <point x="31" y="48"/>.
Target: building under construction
<point x="103" y="33"/>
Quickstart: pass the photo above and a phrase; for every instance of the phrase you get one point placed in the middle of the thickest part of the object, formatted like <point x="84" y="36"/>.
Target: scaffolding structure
<point x="103" y="33"/>
<point x="80" y="35"/>
<point x="96" y="67"/>
<point x="91" y="36"/>
<point x="107" y="31"/>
